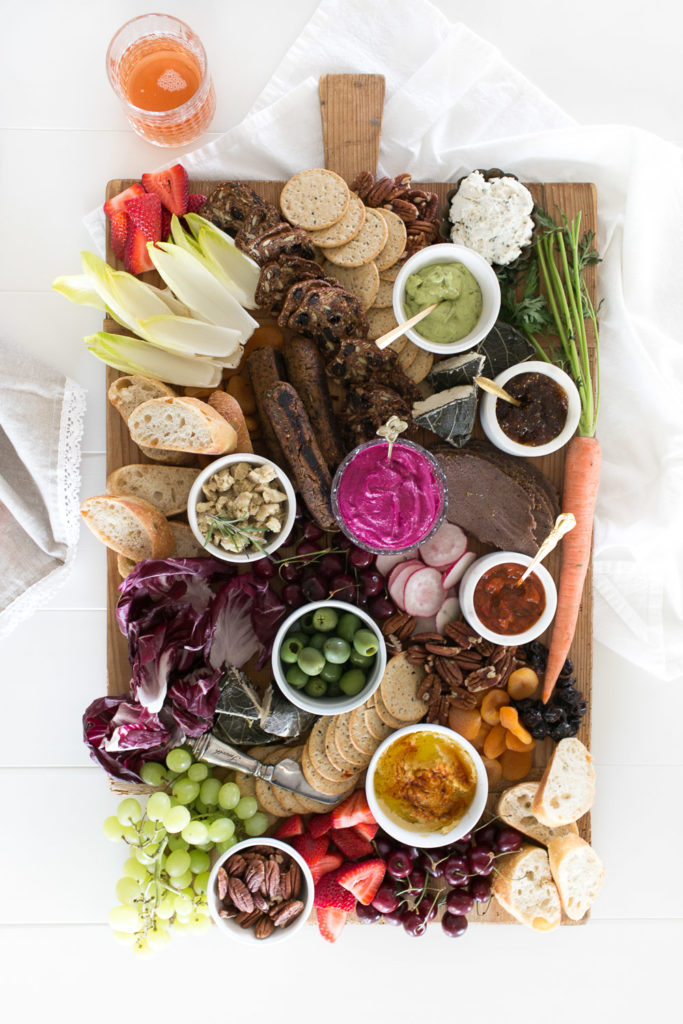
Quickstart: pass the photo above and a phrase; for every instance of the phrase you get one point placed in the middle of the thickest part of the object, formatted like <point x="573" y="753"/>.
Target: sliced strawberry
<point x="195" y="201"/>
<point x="171" y="185"/>
<point x="363" y="880"/>
<point x="135" y="256"/>
<point x="329" y="893"/>
<point x="116" y="212"/>
<point x="366" y="830"/>
<point x="353" y="811"/>
<point x="310" y="848"/>
<point x="319" y="824"/>
<point x="292" y="826"/>
<point x="331" y="922"/>
<point x="353" y="846"/>
<point x="145" y="213"/>
<point x="165" y="224"/>
<point x="330" y="862"/>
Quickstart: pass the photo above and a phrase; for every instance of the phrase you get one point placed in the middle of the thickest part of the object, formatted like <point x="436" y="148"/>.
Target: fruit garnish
<point x="319" y="824"/>
<point x="351" y="844"/>
<point x="329" y="893"/>
<point x="172" y="187"/>
<point x="165" y="223"/>
<point x="331" y="922"/>
<point x="353" y="811"/>
<point x="363" y="880"/>
<point x="330" y="862"/>
<point x="135" y="255"/>
<point x="366" y="830"/>
<point x="115" y="210"/>
<point x="310" y="848"/>
<point x="145" y="213"/>
<point x="292" y="826"/>
<point x="195" y="201"/>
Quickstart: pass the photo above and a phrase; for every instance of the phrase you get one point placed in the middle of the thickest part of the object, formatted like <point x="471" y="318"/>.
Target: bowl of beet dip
<point x="388" y="503"/>
<point x="545" y="419"/>
<point x="502" y="609"/>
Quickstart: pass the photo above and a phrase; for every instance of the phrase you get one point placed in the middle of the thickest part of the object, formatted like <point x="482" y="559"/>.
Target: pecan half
<point x="245" y="920"/>
<point x="255" y="874"/>
<point x="405" y="210"/>
<point x="394" y="622"/>
<point x="236" y="864"/>
<point x="227" y="913"/>
<point x="424" y="690"/>
<point x="460" y="698"/>
<point x="221" y="883"/>
<point x="264" y="928"/>
<point x="449" y="670"/>
<point x="295" y="878"/>
<point x="442" y="650"/>
<point x="286" y="913"/>
<point x="260" y="902"/>
<point x="272" y="879"/>
<point x="427" y="638"/>
<point x="240" y="895"/>
<point x="484" y="678"/>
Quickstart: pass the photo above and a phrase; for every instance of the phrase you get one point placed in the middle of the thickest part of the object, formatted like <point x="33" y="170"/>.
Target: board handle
<point x="351" y="109"/>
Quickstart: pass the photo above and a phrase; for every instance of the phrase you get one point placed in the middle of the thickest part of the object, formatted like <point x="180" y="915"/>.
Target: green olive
<point x="295" y="677"/>
<point x="352" y="682"/>
<point x="336" y="650"/>
<point x="290" y="650"/>
<point x="310" y="661"/>
<point x="360" y="660"/>
<point x="365" y="642"/>
<point x="348" y="625"/>
<point x="316" y="687"/>
<point x="317" y="641"/>
<point x="306" y="623"/>
<point x="332" y="673"/>
<point x="325" y="619"/>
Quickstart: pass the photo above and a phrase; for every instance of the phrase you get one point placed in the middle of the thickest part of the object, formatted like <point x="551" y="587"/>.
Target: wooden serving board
<point x="351" y="112"/>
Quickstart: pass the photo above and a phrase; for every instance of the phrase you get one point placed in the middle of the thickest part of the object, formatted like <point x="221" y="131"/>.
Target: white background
<point x="62" y="137"/>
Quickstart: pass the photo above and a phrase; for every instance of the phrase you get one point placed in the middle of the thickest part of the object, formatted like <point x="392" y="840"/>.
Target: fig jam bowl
<point x="428" y="813"/>
<point x="442" y="255"/>
<point x="547" y="418"/>
<point x="494" y="606"/>
<point x="389" y="505"/>
<point x="348" y="652"/>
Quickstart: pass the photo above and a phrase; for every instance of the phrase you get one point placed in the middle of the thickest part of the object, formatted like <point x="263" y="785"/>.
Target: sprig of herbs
<point x="234" y="529"/>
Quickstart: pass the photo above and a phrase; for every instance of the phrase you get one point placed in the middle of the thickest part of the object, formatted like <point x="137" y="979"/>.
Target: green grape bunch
<point x="165" y="877"/>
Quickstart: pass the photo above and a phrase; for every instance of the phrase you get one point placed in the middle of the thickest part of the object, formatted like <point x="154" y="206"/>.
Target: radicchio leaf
<point x="121" y="735"/>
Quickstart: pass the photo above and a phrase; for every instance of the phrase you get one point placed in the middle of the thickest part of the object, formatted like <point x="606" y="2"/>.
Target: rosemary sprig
<point x="234" y="529"/>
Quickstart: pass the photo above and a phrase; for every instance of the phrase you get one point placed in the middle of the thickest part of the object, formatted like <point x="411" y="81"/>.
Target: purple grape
<point x="312" y="531"/>
<point x="290" y="572"/>
<point x="386" y="901"/>
<point x="331" y="564"/>
<point x="459" y="902"/>
<point x="343" y="587"/>
<point x="456" y="870"/>
<point x="368" y="915"/>
<point x="380" y="608"/>
<point x="413" y="924"/>
<point x="454" y="925"/>
<point x="292" y="595"/>
<point x="508" y="840"/>
<point x="371" y="582"/>
<point x="399" y="864"/>
<point x="480" y="860"/>
<point x="480" y="888"/>
<point x="264" y="568"/>
<point x="314" y="589"/>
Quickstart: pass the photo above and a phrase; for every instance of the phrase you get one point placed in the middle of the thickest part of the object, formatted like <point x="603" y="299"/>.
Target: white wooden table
<point x="63" y="136"/>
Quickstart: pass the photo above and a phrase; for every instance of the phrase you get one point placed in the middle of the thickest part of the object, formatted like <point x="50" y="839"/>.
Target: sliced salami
<point x="457" y="571"/>
<point x="447" y="545"/>
<point x="448" y="611"/>
<point x="423" y="593"/>
<point x="397" y="579"/>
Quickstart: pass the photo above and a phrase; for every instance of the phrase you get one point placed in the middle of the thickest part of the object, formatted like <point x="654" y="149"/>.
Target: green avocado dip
<point x="454" y="318"/>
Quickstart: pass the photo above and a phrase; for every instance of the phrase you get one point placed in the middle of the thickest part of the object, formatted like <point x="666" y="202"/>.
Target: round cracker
<point x="407" y="356"/>
<point x="384" y="297"/>
<point x="395" y="245"/>
<point x="362" y="282"/>
<point x="333" y="753"/>
<point x="347" y="748"/>
<point x="380" y="321"/>
<point x="319" y="781"/>
<point x="387" y="718"/>
<point x="315" y="199"/>
<point x="398" y="344"/>
<point x="361" y="737"/>
<point x="369" y="241"/>
<point x="391" y="274"/>
<point x="420" y="366"/>
<point x="399" y="686"/>
<point x="315" y="749"/>
<point x="291" y="802"/>
<point x="266" y="797"/>
<point x="376" y="727"/>
<point x="343" y="230"/>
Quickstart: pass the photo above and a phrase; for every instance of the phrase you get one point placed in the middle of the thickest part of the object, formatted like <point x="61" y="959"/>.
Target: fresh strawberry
<point x="195" y="201"/>
<point x="330" y="862"/>
<point x="363" y="880"/>
<point x="135" y="256"/>
<point x="366" y="830"/>
<point x="329" y="893"/>
<point x="116" y="212"/>
<point x="319" y="824"/>
<point x="165" y="224"/>
<point x="292" y="826"/>
<point x="145" y="213"/>
<point x="172" y="187"/>
<point x="331" y="922"/>
<point x="310" y="848"/>
<point x="353" y="846"/>
<point x="353" y="811"/>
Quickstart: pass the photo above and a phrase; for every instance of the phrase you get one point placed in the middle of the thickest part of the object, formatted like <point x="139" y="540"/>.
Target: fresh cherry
<point x="386" y="901"/>
<point x="371" y="582"/>
<point x="399" y="864"/>
<point x="459" y="902"/>
<point x="454" y="925"/>
<point x="480" y="860"/>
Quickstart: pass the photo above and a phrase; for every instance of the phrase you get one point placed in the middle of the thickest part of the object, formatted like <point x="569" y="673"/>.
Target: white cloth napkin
<point x="454" y="104"/>
<point x="41" y="425"/>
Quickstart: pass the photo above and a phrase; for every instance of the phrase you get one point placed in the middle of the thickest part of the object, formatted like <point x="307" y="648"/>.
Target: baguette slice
<point x="186" y="545"/>
<point x="578" y="874"/>
<point x="231" y="411"/>
<point x="567" y="788"/>
<point x="181" y="424"/>
<point x="514" y="807"/>
<point x="130" y="526"/>
<point x="127" y="393"/>
<point x="525" y="888"/>
<point x="165" y="487"/>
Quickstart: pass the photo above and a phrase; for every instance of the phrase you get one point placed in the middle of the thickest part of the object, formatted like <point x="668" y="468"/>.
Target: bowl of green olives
<point x="328" y="657"/>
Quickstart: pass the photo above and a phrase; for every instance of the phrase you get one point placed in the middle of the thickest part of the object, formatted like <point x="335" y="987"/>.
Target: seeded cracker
<point x="395" y="245"/>
<point x="391" y="274"/>
<point x="315" y="749"/>
<point x="420" y="366"/>
<point x="360" y="281"/>
<point x="369" y="241"/>
<point x="399" y="687"/>
<point x="319" y="782"/>
<point x="384" y="297"/>
<point x="344" y="229"/>
<point x="380" y="321"/>
<point x="361" y="737"/>
<point x="315" y="199"/>
<point x="345" y="744"/>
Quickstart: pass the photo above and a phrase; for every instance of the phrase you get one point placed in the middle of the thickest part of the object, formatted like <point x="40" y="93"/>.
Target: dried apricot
<point x="516" y="765"/>
<point x="240" y="388"/>
<point x="523" y="683"/>
<point x="198" y="392"/>
<point x="509" y="719"/>
<point x="493" y="770"/>
<point x="480" y="738"/>
<point x="465" y="722"/>
<point x="493" y="701"/>
<point x="267" y="335"/>
<point x="252" y="424"/>
<point x="513" y="742"/>
<point x="494" y="745"/>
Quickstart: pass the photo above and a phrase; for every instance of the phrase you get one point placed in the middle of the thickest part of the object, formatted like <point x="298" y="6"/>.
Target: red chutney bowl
<point x="495" y="607"/>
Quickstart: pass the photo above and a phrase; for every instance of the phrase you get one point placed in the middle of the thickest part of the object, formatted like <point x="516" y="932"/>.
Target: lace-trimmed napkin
<point x="41" y="424"/>
<point x="454" y="104"/>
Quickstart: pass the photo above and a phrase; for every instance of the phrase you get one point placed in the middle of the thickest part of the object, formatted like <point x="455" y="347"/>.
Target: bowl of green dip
<point x="463" y="284"/>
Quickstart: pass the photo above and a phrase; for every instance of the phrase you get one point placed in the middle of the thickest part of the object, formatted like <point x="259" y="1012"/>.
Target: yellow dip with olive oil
<point x="456" y="289"/>
<point x="425" y="782"/>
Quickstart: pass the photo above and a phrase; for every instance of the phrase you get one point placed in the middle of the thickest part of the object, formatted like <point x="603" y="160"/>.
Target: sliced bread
<point x="185" y="546"/>
<point x="165" y="487"/>
<point x="514" y="807"/>
<point x="130" y="526"/>
<point x="181" y="424"/>
<point x="567" y="788"/>
<point x="525" y="888"/>
<point x="127" y="393"/>
<point x="578" y="873"/>
<point x="231" y="411"/>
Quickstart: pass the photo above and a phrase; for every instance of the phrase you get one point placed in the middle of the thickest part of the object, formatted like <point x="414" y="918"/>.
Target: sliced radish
<point x="447" y="545"/>
<point x="425" y="625"/>
<point x="457" y="571"/>
<point x="448" y="611"/>
<point x="423" y="594"/>
<point x="385" y="563"/>
<point x="397" y="578"/>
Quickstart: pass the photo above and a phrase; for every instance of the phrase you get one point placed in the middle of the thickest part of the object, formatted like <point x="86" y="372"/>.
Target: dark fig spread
<point x="506" y="606"/>
<point x="542" y="413"/>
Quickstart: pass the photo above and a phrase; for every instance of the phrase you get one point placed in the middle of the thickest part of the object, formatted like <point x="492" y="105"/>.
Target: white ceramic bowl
<point x="329" y="705"/>
<point x="429" y="839"/>
<point x="448" y="252"/>
<point x="497" y="436"/>
<point x="468" y="585"/>
<point x="196" y="495"/>
<point x="228" y="927"/>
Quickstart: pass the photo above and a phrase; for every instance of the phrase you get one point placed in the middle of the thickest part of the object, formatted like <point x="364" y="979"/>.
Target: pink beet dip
<point x="389" y="504"/>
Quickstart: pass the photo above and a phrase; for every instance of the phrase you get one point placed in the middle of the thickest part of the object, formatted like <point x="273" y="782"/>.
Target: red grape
<point x="371" y="582"/>
<point x="454" y="925"/>
<point x="368" y="915"/>
<point x="399" y="864"/>
<point x="459" y="902"/>
<point x="480" y="860"/>
<point x="292" y="595"/>
<point x="264" y="568"/>
<point x="331" y="564"/>
<point x="380" y="608"/>
<point x="481" y="890"/>
<point x="360" y="559"/>
<point x="508" y="840"/>
<point x="386" y="900"/>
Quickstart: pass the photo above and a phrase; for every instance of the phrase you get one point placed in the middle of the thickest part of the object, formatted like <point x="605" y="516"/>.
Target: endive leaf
<point x="131" y="355"/>
<point x="192" y="336"/>
<point x="79" y="288"/>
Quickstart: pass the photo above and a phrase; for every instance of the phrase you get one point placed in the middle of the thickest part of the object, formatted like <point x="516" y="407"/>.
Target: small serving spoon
<point x="563" y="524"/>
<point x="494" y="389"/>
<point x="396" y="332"/>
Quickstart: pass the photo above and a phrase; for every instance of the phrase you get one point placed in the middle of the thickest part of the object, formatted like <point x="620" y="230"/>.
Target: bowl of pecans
<point x="260" y="889"/>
